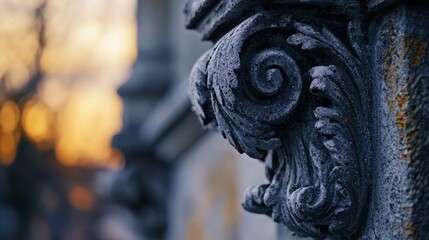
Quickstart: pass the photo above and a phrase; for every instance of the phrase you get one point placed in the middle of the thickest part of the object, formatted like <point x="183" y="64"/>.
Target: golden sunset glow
<point x="86" y="125"/>
<point x="53" y="93"/>
<point x="87" y="53"/>
<point x="8" y="144"/>
<point x="37" y="122"/>
<point x="9" y="135"/>
<point x="18" y="43"/>
<point x="9" y="117"/>
<point x="98" y="48"/>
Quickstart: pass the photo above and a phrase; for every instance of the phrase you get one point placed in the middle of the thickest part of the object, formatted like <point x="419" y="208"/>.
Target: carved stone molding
<point x="289" y="89"/>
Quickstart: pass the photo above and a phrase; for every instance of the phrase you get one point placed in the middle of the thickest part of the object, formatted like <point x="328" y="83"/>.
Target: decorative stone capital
<point x="286" y="86"/>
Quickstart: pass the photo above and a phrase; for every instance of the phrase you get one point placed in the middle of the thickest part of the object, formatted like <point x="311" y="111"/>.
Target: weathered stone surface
<point x="331" y="98"/>
<point x="399" y="205"/>
<point x="214" y="18"/>
<point x="264" y="89"/>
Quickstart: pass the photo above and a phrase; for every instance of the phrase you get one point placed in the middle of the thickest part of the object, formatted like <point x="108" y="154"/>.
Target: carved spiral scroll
<point x="246" y="99"/>
<point x="275" y="85"/>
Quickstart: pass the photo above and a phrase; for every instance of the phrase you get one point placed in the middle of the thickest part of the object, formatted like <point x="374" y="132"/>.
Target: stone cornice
<point x="212" y="18"/>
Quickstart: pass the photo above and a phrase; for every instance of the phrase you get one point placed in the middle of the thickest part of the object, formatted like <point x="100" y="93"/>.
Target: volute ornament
<point x="291" y="93"/>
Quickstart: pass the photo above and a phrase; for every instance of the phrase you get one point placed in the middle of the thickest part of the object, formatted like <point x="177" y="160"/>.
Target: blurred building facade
<point x="179" y="182"/>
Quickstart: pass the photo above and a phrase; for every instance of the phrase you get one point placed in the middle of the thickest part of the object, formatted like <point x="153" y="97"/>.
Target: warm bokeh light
<point x="9" y="134"/>
<point x="86" y="125"/>
<point x="37" y="122"/>
<point x="8" y="144"/>
<point x="81" y="198"/>
<point x="102" y="37"/>
<point x="53" y="93"/>
<point x="9" y="117"/>
<point x="84" y="52"/>
<point x="60" y="65"/>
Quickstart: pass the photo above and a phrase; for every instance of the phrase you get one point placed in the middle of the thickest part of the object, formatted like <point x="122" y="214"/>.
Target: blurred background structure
<point x="75" y="73"/>
<point x="60" y="64"/>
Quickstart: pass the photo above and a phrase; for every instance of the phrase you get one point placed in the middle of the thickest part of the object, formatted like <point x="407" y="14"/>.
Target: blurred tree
<point x="47" y="115"/>
<point x="34" y="81"/>
<point x="27" y="172"/>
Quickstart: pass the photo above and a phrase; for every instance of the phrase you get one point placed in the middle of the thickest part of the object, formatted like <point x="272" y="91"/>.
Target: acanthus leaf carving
<point x="293" y="94"/>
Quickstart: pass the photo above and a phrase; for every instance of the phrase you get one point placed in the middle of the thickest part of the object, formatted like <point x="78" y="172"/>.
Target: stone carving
<point x="290" y="92"/>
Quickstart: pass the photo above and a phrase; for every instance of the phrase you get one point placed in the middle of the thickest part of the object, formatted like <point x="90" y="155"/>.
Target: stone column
<point x="398" y="45"/>
<point x="332" y="96"/>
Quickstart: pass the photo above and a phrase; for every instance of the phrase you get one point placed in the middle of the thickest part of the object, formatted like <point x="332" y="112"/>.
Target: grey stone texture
<point x="333" y="97"/>
<point x="399" y="206"/>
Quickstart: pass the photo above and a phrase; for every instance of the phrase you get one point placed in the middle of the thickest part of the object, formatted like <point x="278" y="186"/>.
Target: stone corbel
<point x="287" y="85"/>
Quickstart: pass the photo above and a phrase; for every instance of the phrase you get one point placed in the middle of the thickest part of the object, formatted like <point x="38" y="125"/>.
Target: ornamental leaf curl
<point x="279" y="86"/>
